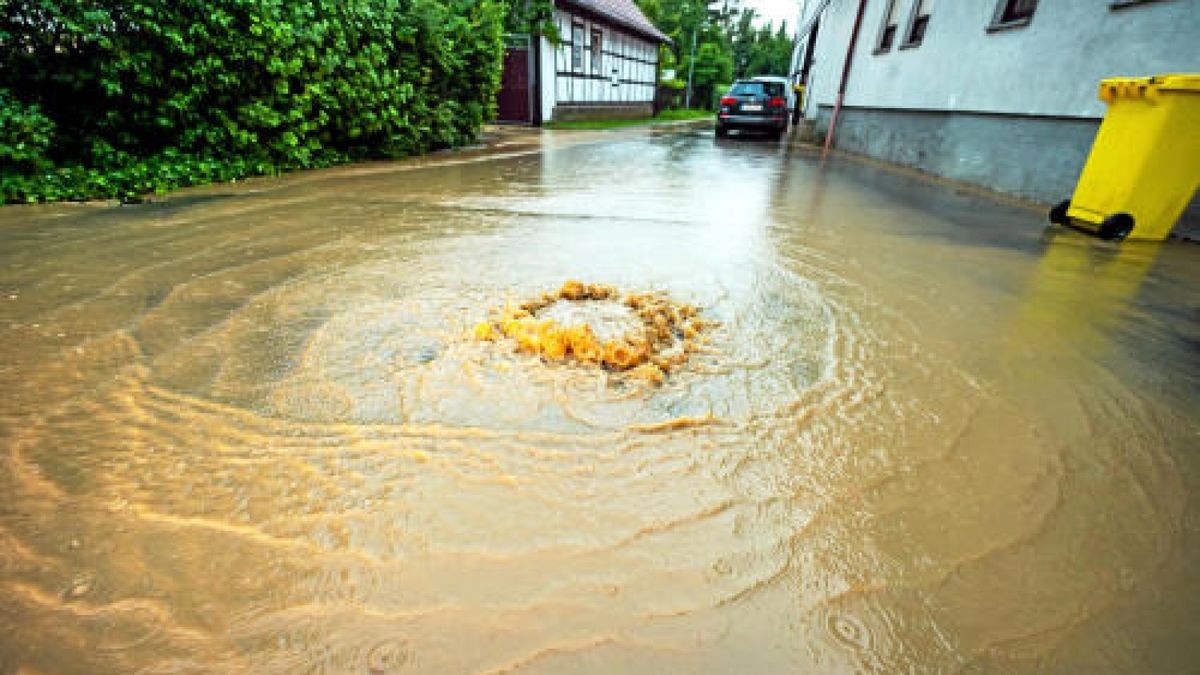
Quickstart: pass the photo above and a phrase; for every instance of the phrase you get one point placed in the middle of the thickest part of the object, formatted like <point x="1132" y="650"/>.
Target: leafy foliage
<point x="115" y="98"/>
<point x="24" y="134"/>
<point x="761" y="51"/>
<point x="713" y="66"/>
<point x="728" y="44"/>
<point x="533" y="17"/>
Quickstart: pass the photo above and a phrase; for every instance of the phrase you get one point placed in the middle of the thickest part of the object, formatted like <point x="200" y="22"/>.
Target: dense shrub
<point x="24" y="134"/>
<point x="114" y="98"/>
<point x="532" y="16"/>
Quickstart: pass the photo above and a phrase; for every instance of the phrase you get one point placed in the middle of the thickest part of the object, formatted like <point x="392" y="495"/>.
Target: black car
<point x="754" y="105"/>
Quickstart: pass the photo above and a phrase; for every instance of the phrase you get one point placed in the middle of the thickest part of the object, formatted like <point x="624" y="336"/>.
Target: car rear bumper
<point x="751" y="122"/>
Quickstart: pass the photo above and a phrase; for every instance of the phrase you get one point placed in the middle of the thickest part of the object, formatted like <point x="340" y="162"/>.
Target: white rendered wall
<point x="546" y="78"/>
<point x="634" y="59"/>
<point x="1049" y="67"/>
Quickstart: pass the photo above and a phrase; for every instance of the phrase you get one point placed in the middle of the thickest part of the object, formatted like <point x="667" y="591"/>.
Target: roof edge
<point x="657" y="35"/>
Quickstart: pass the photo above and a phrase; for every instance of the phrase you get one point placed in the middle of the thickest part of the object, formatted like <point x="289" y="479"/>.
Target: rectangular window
<point x="753" y="88"/>
<point x="1013" y="14"/>
<point x="577" y="47"/>
<point x="891" y="24"/>
<point x="917" y="22"/>
<point x="597" y="51"/>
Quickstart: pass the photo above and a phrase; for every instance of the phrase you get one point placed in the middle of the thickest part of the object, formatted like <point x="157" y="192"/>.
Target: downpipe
<point x="841" y="94"/>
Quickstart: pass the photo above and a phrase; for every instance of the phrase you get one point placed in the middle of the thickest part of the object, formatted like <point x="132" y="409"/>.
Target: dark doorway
<point x="513" y="103"/>
<point x="806" y="64"/>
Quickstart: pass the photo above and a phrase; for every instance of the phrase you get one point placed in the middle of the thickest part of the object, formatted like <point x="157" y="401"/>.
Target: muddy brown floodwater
<point x="246" y="428"/>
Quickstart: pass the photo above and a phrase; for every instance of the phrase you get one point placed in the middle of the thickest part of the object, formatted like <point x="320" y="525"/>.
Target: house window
<point x="891" y="24"/>
<point x="1012" y="14"/>
<point x="577" y="47"/>
<point x="597" y="50"/>
<point x="917" y="22"/>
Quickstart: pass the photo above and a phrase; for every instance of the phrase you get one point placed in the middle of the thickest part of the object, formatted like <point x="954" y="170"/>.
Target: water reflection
<point x="1082" y="287"/>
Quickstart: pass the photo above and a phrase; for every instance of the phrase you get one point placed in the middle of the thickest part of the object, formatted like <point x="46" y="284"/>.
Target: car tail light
<point x="728" y="100"/>
<point x="778" y="102"/>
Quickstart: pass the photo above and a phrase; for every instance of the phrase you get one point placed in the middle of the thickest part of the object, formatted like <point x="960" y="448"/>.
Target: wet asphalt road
<point x="248" y="428"/>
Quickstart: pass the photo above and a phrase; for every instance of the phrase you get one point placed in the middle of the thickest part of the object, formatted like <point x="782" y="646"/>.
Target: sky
<point x="776" y="11"/>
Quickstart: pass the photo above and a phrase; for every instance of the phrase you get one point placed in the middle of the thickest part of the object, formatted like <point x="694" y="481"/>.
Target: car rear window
<point x="756" y="89"/>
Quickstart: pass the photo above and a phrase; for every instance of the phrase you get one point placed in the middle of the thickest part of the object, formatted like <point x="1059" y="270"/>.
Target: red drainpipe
<point x="837" y="106"/>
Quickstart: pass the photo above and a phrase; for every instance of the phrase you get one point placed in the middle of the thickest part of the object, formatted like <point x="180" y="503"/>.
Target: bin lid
<point x="1139" y="87"/>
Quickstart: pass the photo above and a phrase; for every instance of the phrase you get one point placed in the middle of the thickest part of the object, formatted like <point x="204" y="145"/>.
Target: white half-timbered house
<point x="605" y="66"/>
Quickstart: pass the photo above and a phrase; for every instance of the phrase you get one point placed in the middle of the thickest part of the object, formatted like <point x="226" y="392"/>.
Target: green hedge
<point x="116" y="98"/>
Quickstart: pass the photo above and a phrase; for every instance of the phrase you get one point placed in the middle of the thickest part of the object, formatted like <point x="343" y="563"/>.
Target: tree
<point x="769" y="52"/>
<point x="728" y="44"/>
<point x="533" y="17"/>
<point x="743" y="37"/>
<point x="709" y="22"/>
<point x="714" y="67"/>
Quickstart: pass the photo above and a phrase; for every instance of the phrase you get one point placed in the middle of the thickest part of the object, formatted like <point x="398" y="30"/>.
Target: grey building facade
<point x="999" y="93"/>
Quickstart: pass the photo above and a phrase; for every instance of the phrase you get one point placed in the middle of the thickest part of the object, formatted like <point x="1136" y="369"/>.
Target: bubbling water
<point x="607" y="320"/>
<point x="645" y="334"/>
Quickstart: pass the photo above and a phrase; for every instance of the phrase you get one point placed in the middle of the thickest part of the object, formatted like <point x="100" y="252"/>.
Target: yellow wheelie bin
<point x="1144" y="166"/>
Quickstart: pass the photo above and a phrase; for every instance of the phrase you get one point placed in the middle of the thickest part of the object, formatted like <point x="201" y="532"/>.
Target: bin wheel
<point x="1058" y="214"/>
<point x="1116" y="227"/>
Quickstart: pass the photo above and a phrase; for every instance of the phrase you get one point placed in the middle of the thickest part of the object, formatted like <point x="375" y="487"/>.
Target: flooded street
<point x="247" y="428"/>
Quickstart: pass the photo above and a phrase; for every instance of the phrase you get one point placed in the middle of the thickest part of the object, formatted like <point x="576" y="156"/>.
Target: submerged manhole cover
<point x="646" y="334"/>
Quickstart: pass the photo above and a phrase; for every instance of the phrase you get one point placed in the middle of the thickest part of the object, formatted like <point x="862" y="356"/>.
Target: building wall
<point x="1013" y="109"/>
<point x="1049" y="67"/>
<point x="546" y="77"/>
<point x="622" y="78"/>
<point x="1034" y="157"/>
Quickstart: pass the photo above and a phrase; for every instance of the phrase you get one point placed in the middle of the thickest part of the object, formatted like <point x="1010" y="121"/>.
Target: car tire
<point x="722" y="132"/>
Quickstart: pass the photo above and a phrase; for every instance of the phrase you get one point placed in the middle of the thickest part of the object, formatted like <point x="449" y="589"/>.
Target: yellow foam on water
<point x="484" y="331"/>
<point x="643" y="353"/>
